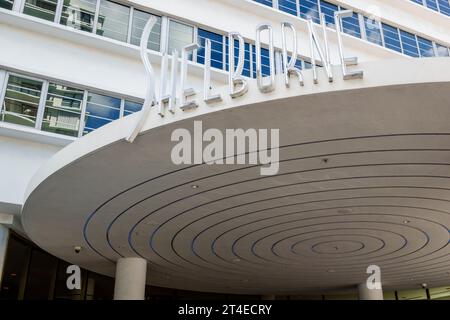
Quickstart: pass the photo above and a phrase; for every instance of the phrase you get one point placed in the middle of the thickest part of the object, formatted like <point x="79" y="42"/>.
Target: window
<point x="216" y="48"/>
<point x="409" y="44"/>
<point x="425" y="47"/>
<point x="6" y="4"/>
<point x="391" y="37"/>
<point x="100" y="110"/>
<point x="265" y="2"/>
<point x="309" y="9"/>
<point x="131" y="107"/>
<point x="373" y="31"/>
<point x="246" y="70"/>
<point x="44" y="9"/>
<point x="78" y="14"/>
<point x="21" y="102"/>
<point x="63" y="110"/>
<point x="350" y="25"/>
<point x="140" y="18"/>
<point x="113" y="20"/>
<point x="432" y="4"/>
<point x="265" y="61"/>
<point x="180" y="35"/>
<point x="441" y="51"/>
<point x="328" y="9"/>
<point x="444" y="7"/>
<point x="289" y="6"/>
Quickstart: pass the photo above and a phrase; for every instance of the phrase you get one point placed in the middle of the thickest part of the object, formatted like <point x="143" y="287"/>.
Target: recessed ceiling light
<point x="406" y="221"/>
<point x="194" y="186"/>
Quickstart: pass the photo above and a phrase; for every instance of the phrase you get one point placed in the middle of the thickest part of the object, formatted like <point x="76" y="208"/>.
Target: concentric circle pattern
<point x="318" y="221"/>
<point x="372" y="191"/>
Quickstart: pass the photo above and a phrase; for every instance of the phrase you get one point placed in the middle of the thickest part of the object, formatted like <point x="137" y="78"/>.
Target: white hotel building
<point x="364" y="174"/>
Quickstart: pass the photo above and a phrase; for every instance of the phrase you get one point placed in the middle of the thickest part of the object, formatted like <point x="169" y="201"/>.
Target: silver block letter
<point x="289" y="66"/>
<point x="314" y="44"/>
<point x="238" y="86"/>
<point x="149" y="80"/>
<point x="345" y="62"/>
<point x="265" y="87"/>
<point x="207" y="97"/>
<point x="168" y="98"/>
<point x="186" y="92"/>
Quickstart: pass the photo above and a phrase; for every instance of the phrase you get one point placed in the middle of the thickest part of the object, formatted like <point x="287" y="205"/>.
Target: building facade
<point x="363" y="162"/>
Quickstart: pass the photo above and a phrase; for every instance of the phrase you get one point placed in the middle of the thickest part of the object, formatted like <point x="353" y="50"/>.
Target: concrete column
<point x="4" y="236"/>
<point x="130" y="279"/>
<point x="268" y="297"/>
<point x="364" y="293"/>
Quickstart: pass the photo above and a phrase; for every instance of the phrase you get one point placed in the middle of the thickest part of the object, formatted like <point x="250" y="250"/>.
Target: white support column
<point x="130" y="279"/>
<point x="364" y="293"/>
<point x="4" y="236"/>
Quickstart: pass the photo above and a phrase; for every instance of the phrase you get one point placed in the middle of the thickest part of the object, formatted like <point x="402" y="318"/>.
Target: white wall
<point x="19" y="160"/>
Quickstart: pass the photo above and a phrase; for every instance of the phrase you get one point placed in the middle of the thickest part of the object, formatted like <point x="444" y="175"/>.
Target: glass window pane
<point x="61" y="292"/>
<point x="328" y="9"/>
<point x="425" y="47"/>
<point x="40" y="276"/>
<point x="21" y="101"/>
<point x="6" y="4"/>
<point x="246" y="70"/>
<point x="289" y="6"/>
<point x="444" y="7"/>
<point x="78" y="14"/>
<point x="216" y="48"/>
<point x="131" y="107"/>
<point x="350" y="25"/>
<point x="265" y="2"/>
<point x="15" y="270"/>
<point x="63" y="110"/>
<point x="441" y="51"/>
<point x="140" y="18"/>
<point x="100" y="110"/>
<point x="409" y="44"/>
<point x="44" y="9"/>
<point x="432" y="4"/>
<point x="113" y="20"/>
<point x="373" y="31"/>
<point x="265" y="61"/>
<point x="180" y="35"/>
<point x="391" y="37"/>
<point x="310" y="9"/>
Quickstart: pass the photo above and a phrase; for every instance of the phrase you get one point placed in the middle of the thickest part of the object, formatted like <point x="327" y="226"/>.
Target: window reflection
<point x="21" y="102"/>
<point x="100" y="110"/>
<point x="6" y="4"/>
<point x="140" y="18"/>
<point x="63" y="110"/>
<point x="180" y="35"/>
<point x="79" y="14"/>
<point x="113" y="20"/>
<point x="373" y="31"/>
<point x="131" y="107"/>
<point x="44" y="9"/>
